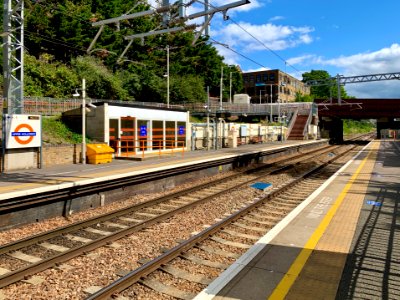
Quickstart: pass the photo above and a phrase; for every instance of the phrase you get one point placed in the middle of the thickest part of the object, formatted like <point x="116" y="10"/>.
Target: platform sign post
<point x="143" y="130"/>
<point x="23" y="131"/>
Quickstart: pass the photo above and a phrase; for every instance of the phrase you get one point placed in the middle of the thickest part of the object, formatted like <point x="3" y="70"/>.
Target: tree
<point x="303" y="98"/>
<point x="324" y="91"/>
<point x="187" y="89"/>
<point x="101" y="82"/>
<point x="47" y="78"/>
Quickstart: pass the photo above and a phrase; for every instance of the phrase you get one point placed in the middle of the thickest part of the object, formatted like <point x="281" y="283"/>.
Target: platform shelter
<point x="134" y="129"/>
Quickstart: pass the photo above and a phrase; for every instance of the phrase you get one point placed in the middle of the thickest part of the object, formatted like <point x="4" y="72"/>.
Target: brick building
<point x="267" y="85"/>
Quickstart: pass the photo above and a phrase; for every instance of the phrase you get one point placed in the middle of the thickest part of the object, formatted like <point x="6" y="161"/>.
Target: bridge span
<point x="386" y="112"/>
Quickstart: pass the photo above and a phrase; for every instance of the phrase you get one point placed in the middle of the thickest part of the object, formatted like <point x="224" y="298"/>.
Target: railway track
<point x="172" y="274"/>
<point x="37" y="253"/>
<point x="27" y="256"/>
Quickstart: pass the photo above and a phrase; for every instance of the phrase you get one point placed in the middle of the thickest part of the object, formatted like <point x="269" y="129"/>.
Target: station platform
<point x="342" y="242"/>
<point x="33" y="181"/>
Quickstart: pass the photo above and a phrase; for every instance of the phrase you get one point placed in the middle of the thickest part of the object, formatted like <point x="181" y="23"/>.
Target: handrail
<point x="142" y="146"/>
<point x="292" y="122"/>
<point x="305" y="129"/>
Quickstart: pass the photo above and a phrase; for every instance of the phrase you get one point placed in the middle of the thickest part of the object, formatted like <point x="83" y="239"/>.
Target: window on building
<point x="245" y="78"/>
<point x="251" y="78"/>
<point x="272" y="76"/>
<point x="258" y="78"/>
<point x="265" y="77"/>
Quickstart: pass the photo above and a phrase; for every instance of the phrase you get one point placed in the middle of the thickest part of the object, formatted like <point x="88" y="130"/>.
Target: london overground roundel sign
<point x="23" y="131"/>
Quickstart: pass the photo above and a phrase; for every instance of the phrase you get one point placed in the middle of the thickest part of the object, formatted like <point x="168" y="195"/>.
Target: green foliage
<point x="56" y="132"/>
<point x="303" y="98"/>
<point x="59" y="32"/>
<point x="101" y="83"/>
<point x="187" y="89"/>
<point x="48" y="79"/>
<point x="352" y="126"/>
<point x="323" y="91"/>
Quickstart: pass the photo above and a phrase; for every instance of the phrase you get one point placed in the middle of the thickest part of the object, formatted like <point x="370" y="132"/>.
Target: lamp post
<point x="207" y="107"/>
<point x="221" y="88"/>
<point x="230" y="87"/>
<point x="271" y="97"/>
<point x="83" y="151"/>
<point x="168" y="76"/>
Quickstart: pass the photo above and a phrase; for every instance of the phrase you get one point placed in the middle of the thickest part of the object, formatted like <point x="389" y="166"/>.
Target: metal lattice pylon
<point x="13" y="56"/>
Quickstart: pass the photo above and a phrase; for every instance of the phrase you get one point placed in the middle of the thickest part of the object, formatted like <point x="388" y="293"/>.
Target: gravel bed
<point x="86" y="235"/>
<point x="226" y="248"/>
<point x="183" y="284"/>
<point x="39" y="251"/>
<point x="141" y="292"/>
<point x="11" y="263"/>
<point x="191" y="267"/>
<point x="100" y="267"/>
<point x="62" y="241"/>
<point x="235" y="239"/>
<point x="49" y="224"/>
<point x="211" y="256"/>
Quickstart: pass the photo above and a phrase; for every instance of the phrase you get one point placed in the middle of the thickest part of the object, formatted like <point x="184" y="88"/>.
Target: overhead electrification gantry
<point x="171" y="23"/>
<point x="340" y="80"/>
<point x="13" y="55"/>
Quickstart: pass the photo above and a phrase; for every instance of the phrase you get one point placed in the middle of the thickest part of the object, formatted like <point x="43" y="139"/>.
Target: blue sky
<point x="353" y="37"/>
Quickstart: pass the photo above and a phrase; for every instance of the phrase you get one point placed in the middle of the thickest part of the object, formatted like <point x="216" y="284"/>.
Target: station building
<point x="131" y="129"/>
<point x="272" y="85"/>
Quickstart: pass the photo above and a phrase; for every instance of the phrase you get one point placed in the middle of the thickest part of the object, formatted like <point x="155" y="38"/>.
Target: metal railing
<point x="53" y="106"/>
<point x="126" y="148"/>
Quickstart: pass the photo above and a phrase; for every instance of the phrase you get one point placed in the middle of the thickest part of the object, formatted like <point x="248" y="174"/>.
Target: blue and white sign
<point x="143" y="130"/>
<point x="23" y="131"/>
<point x="181" y="130"/>
<point x="374" y="203"/>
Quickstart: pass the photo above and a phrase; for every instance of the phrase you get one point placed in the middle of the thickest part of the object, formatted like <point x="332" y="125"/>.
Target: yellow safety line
<point x="289" y="278"/>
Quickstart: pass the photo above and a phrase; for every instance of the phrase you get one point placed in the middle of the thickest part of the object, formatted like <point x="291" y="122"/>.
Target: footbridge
<point x="331" y="113"/>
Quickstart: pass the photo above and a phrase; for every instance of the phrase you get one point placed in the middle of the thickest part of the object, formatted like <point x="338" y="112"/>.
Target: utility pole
<point x="221" y="88"/>
<point x="83" y="121"/>
<point x="230" y="87"/>
<point x="168" y="76"/>
<point x="13" y="56"/>
<point x="13" y="64"/>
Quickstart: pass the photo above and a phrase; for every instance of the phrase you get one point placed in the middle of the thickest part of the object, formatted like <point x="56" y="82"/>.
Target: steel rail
<point x="19" y="274"/>
<point x="24" y="202"/>
<point x="123" y="211"/>
<point x="151" y="266"/>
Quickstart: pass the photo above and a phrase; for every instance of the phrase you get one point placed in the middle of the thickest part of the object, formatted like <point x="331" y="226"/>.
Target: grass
<point x="54" y="131"/>
<point x="354" y="127"/>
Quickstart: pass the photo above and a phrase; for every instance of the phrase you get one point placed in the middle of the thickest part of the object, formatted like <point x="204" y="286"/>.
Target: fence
<point x="129" y="147"/>
<point x="53" y="106"/>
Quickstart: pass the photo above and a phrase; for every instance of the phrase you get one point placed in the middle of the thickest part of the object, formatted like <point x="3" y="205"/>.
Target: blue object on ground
<point x="261" y="185"/>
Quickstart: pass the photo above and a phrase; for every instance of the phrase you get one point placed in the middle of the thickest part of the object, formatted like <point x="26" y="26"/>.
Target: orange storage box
<point x="99" y="153"/>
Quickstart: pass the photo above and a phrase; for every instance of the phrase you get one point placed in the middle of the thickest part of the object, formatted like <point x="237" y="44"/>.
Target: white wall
<point x="146" y="114"/>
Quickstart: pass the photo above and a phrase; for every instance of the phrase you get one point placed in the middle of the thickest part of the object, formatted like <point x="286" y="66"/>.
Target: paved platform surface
<point x="340" y="243"/>
<point x="23" y="182"/>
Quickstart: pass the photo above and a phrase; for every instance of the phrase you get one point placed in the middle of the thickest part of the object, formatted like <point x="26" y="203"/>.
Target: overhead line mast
<point x="165" y="10"/>
<point x="13" y="56"/>
<point x="340" y="80"/>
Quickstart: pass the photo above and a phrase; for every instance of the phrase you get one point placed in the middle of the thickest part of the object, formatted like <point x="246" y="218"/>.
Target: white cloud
<point x="385" y="60"/>
<point x="275" y="37"/>
<point x="301" y="59"/>
<point x="256" y="70"/>
<point x="379" y="89"/>
<point x="276" y="18"/>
